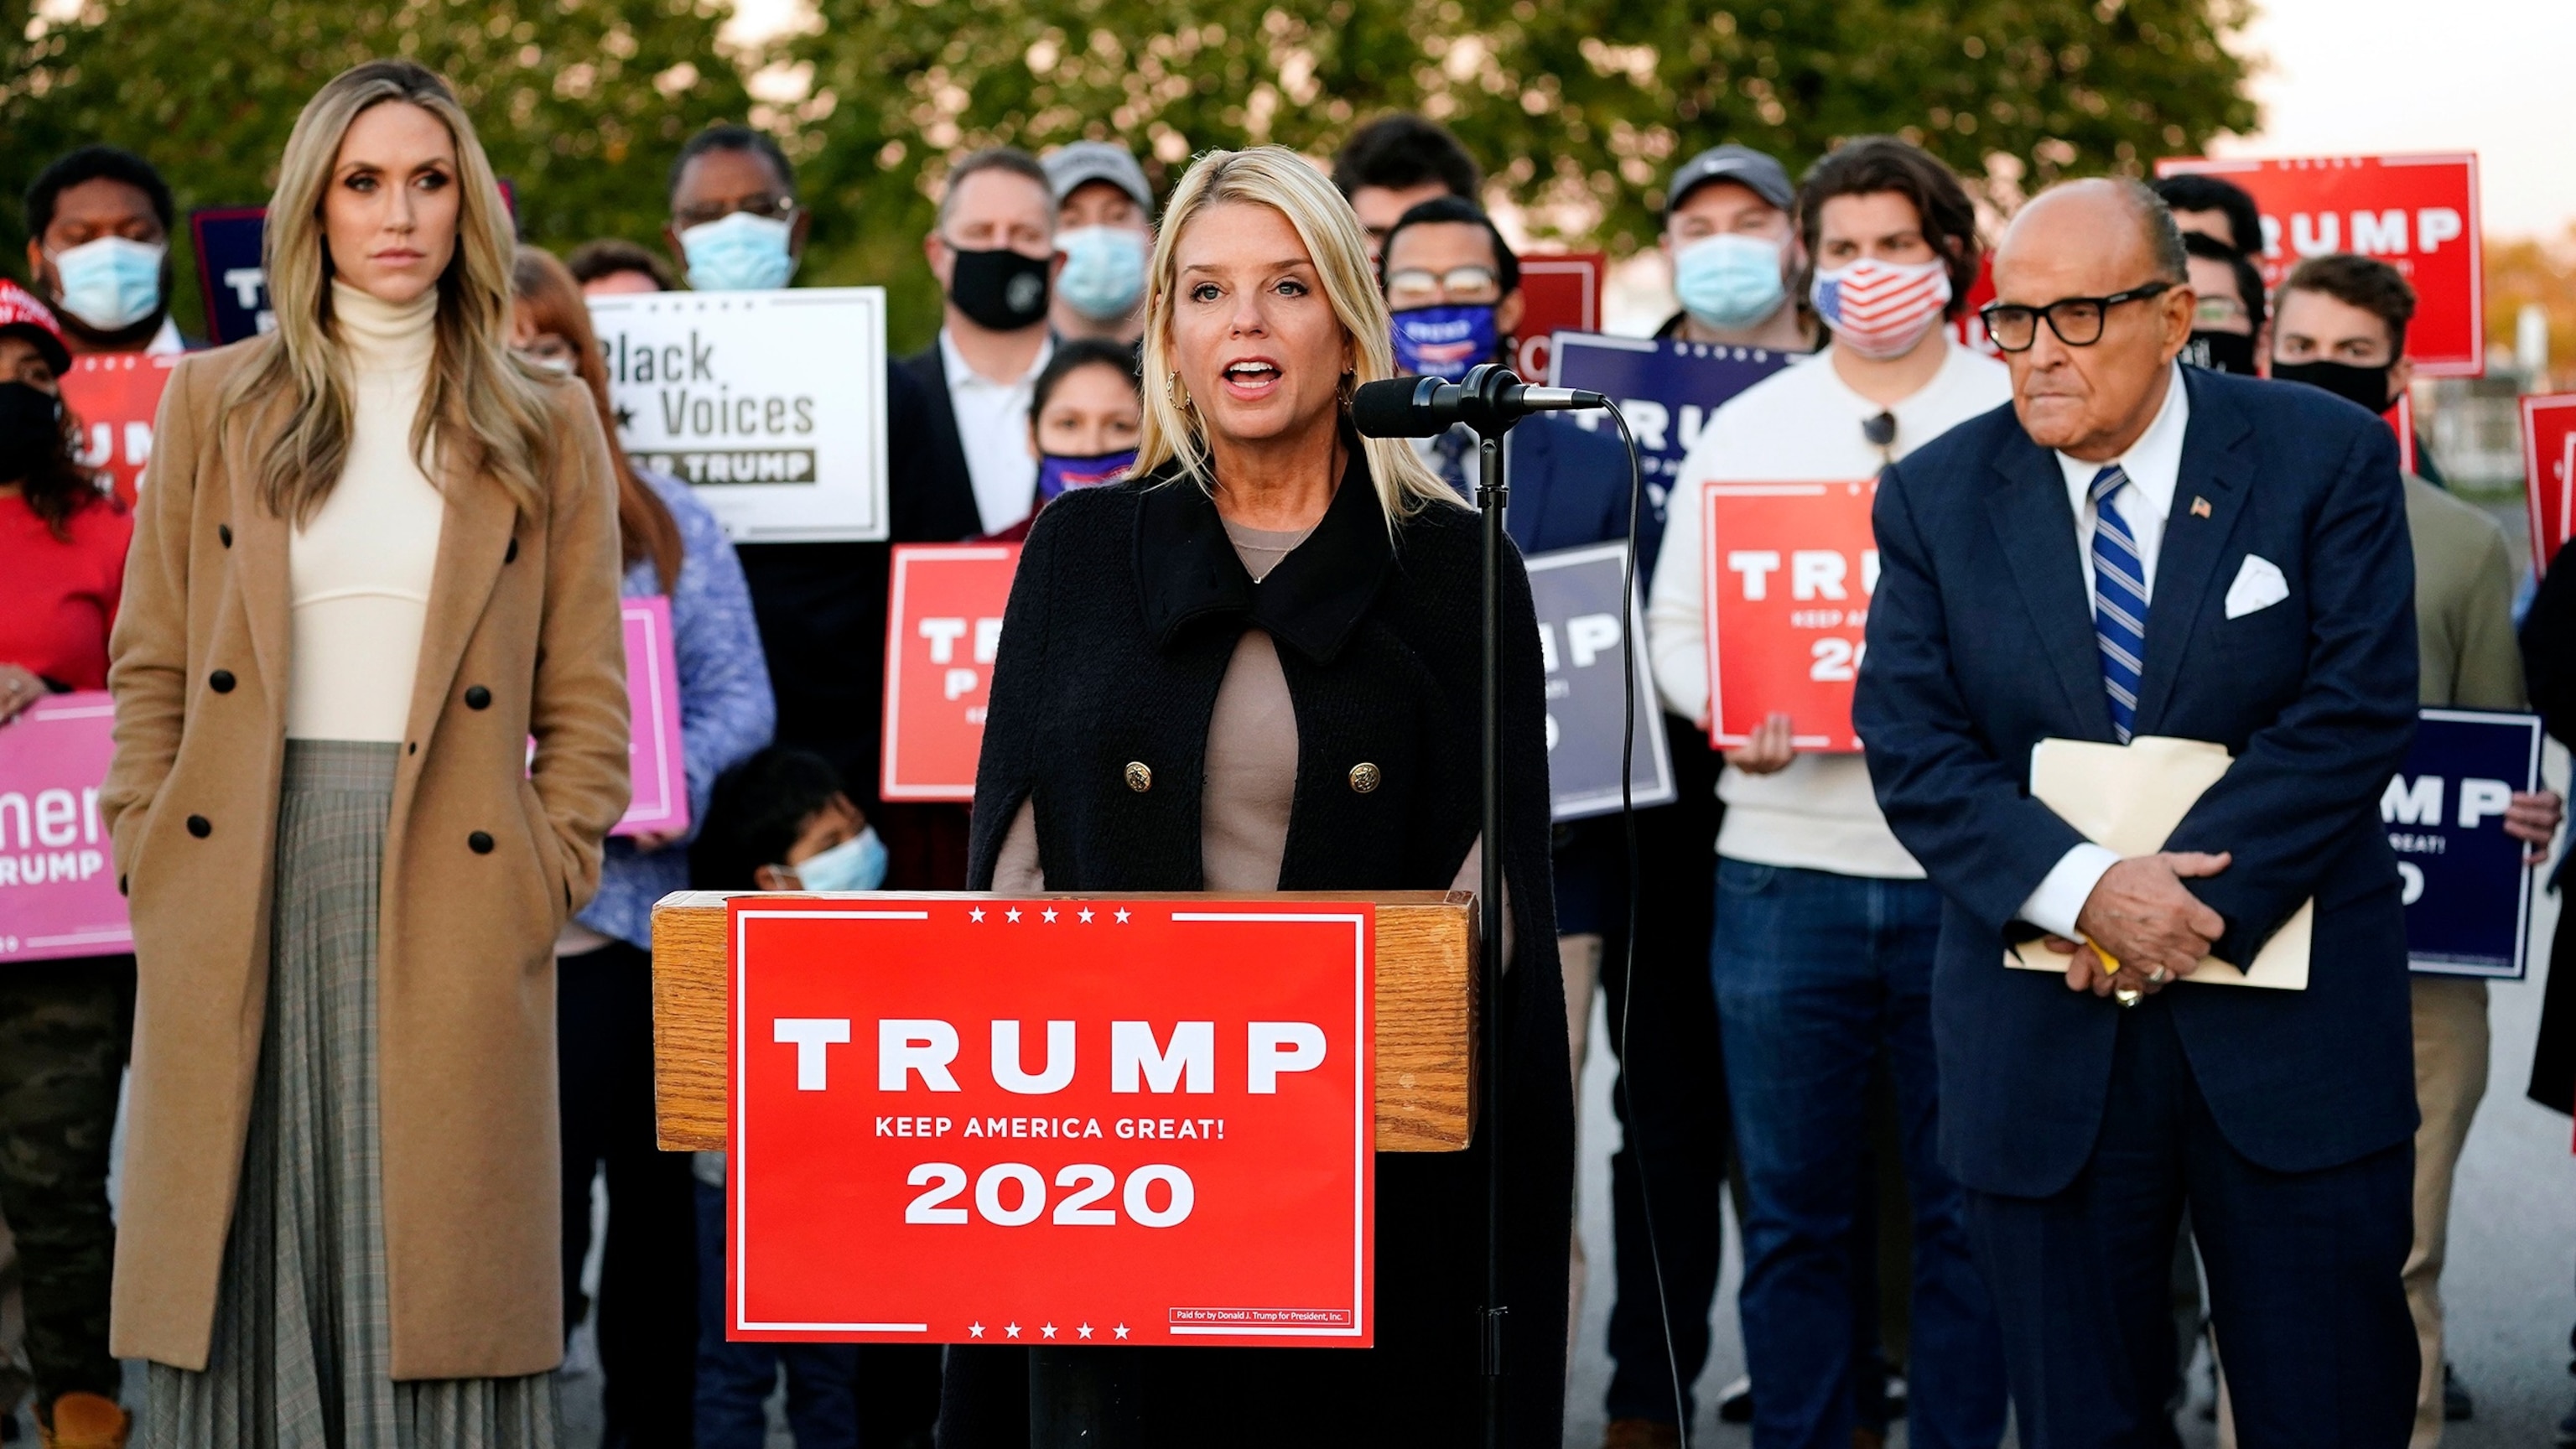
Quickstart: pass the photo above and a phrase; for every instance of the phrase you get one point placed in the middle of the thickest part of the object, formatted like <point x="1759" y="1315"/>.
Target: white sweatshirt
<point x="1800" y="425"/>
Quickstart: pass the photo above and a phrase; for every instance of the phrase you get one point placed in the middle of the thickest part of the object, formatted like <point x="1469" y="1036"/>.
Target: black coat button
<point x="221" y="680"/>
<point x="480" y="842"/>
<point x="200" y="827"/>
<point x="478" y="698"/>
<point x="511" y="554"/>
<point x="224" y="531"/>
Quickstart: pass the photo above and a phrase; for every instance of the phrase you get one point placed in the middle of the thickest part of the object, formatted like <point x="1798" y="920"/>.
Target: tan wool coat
<point x="484" y="858"/>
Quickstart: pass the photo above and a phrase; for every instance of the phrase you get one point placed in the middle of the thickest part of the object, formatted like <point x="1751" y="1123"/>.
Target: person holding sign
<point x="2139" y="550"/>
<point x="378" y="557"/>
<point x="1825" y="925"/>
<point x="2354" y="310"/>
<point x="671" y="546"/>
<point x="63" y="1023"/>
<point x="1252" y="668"/>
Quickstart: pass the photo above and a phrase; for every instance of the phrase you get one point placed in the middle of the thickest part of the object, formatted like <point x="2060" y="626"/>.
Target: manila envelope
<point x="2129" y="798"/>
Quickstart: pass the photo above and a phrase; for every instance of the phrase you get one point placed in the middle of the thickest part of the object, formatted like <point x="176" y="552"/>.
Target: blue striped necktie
<point x="2119" y="602"/>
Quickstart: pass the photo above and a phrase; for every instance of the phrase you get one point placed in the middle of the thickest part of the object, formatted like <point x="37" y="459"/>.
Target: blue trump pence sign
<point x="2467" y="892"/>
<point x="1577" y="592"/>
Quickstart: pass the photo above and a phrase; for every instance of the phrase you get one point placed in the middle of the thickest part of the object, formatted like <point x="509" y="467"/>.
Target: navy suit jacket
<point x="1570" y="488"/>
<point x="1981" y="645"/>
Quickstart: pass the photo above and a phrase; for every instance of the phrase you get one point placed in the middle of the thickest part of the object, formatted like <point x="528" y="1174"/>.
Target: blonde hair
<point x="1279" y="178"/>
<point x="479" y="397"/>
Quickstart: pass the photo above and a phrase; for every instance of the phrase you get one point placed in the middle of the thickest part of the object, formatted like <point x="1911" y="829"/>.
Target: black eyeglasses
<point x="2077" y="321"/>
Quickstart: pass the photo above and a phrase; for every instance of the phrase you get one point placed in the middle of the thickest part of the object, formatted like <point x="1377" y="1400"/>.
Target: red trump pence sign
<point x="1790" y="568"/>
<point x="943" y="630"/>
<point x="1560" y="292"/>
<point x="2418" y="213"/>
<point x="2549" y="472"/>
<point x="965" y="1119"/>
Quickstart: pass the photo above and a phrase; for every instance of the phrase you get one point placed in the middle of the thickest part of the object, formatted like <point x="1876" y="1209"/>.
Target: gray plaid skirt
<point x="303" y="1342"/>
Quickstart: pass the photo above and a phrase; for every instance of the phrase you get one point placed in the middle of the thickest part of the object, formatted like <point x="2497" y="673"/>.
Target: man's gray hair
<point x="2156" y="227"/>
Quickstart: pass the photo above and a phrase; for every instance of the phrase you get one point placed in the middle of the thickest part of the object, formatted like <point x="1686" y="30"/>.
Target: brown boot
<point x="1640" y="1434"/>
<point x="84" y="1420"/>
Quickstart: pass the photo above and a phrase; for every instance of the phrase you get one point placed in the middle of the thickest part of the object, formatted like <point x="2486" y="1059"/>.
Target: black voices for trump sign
<point x="769" y="405"/>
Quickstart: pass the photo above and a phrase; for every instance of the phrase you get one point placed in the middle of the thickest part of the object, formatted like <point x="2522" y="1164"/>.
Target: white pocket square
<point x="2258" y="585"/>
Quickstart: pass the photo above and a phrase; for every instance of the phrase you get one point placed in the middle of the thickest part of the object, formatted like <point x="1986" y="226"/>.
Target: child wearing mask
<point x="782" y="822"/>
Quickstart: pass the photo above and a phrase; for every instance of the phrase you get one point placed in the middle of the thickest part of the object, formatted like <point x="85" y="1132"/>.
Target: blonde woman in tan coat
<point x="376" y="556"/>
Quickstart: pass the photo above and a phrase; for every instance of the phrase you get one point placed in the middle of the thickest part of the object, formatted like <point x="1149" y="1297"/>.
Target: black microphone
<point x="1490" y="400"/>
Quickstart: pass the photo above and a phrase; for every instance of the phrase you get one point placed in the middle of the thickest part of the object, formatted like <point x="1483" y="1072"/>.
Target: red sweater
<point x="58" y="598"/>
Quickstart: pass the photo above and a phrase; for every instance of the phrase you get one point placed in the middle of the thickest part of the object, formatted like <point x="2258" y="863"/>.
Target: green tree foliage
<point x="1578" y="108"/>
<point x="581" y="103"/>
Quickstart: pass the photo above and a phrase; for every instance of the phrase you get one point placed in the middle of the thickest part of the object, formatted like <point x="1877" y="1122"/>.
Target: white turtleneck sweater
<point x="358" y="575"/>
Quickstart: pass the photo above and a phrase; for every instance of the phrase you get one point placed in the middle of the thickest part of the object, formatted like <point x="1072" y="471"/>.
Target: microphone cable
<point x="1634" y="613"/>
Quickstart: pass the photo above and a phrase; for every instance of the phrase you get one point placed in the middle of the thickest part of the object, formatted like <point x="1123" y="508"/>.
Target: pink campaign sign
<point x="661" y="799"/>
<point x="58" y="892"/>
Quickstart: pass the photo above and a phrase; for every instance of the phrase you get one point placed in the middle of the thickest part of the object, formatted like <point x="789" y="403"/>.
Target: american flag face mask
<point x="1881" y="309"/>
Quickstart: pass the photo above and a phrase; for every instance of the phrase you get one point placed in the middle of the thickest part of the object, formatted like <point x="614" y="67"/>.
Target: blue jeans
<point x="1820" y="980"/>
<point x="734" y="1379"/>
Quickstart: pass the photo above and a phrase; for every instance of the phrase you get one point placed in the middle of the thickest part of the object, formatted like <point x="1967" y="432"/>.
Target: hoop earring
<point x="1172" y="389"/>
<point x="1348" y="389"/>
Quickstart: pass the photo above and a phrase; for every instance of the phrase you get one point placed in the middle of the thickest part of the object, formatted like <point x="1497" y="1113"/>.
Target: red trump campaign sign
<point x="2549" y="472"/>
<point x="2418" y="213"/>
<point x="943" y="629"/>
<point x="1790" y="570"/>
<point x="967" y="1119"/>
<point x="1560" y="292"/>
<point x="114" y="397"/>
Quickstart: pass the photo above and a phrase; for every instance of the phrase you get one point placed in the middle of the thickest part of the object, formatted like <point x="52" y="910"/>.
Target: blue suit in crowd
<point x="2282" y="1119"/>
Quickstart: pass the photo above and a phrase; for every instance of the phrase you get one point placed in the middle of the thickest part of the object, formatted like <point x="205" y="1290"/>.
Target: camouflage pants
<point x="64" y="1029"/>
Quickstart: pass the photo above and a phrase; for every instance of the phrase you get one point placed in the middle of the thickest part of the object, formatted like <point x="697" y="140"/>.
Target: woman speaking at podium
<point x="1256" y="666"/>
<point x="376" y="556"/>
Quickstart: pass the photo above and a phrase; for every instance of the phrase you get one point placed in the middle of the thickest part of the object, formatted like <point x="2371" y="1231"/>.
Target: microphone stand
<point x="1483" y="413"/>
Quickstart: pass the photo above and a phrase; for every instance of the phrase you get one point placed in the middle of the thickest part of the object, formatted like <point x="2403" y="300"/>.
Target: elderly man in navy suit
<point x="2137" y="548"/>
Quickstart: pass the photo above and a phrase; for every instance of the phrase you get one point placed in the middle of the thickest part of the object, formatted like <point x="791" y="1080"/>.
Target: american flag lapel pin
<point x="2199" y="506"/>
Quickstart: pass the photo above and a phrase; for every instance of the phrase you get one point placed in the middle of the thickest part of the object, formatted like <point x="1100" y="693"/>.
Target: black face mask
<point x="2222" y="352"/>
<point x="1000" y="289"/>
<point x="2367" y="386"/>
<point x="31" y="428"/>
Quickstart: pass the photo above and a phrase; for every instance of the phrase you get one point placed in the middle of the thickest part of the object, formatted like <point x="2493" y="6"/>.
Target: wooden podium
<point x="1426" y="1014"/>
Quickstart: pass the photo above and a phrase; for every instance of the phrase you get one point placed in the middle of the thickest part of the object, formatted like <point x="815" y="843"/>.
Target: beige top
<point x="358" y="574"/>
<point x="1251" y="767"/>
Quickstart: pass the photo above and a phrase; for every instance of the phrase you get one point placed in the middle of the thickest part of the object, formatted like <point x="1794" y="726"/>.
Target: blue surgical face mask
<point x="856" y="864"/>
<point x="739" y="253"/>
<point x="111" y="283"/>
<point x="1104" y="271"/>
<point x="1444" y="341"/>
<point x="1729" y="281"/>
<point x="1058" y="474"/>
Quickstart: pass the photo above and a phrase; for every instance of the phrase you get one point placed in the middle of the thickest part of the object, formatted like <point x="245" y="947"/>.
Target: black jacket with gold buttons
<point x="1123" y="617"/>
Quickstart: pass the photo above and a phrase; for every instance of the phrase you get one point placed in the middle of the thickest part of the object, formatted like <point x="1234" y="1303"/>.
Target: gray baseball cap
<point x="1072" y="167"/>
<point x="1746" y="167"/>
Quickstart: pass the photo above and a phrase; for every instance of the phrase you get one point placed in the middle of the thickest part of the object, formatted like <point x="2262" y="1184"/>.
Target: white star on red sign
<point x="1122" y="918"/>
<point x="1048" y="1330"/>
<point x="1049" y="915"/>
<point x="1085" y="917"/>
<point x="975" y="1330"/>
<point x="1012" y="915"/>
<point x="1084" y="1330"/>
<point x="976" y="915"/>
<point x="1010" y="1330"/>
<point x="1122" y="1330"/>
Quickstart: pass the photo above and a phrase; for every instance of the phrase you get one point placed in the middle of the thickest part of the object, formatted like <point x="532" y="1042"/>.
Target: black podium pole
<point x="1493" y="492"/>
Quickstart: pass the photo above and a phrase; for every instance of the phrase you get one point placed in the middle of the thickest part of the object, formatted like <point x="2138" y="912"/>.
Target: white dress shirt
<point x="2154" y="466"/>
<point x="993" y="428"/>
